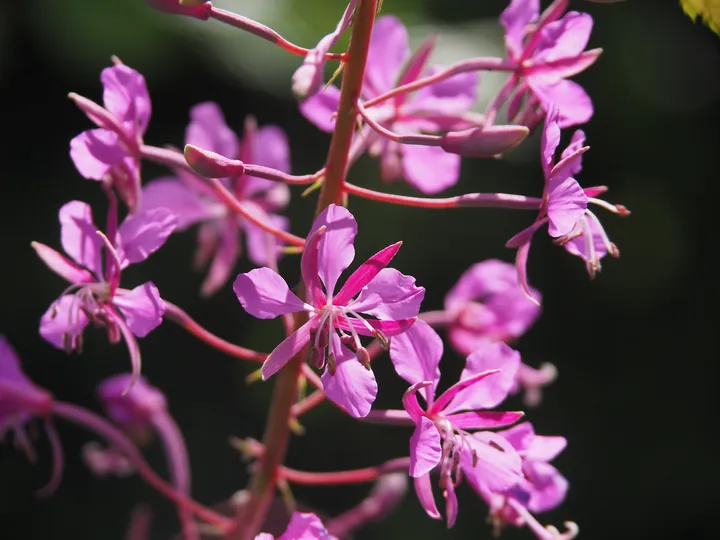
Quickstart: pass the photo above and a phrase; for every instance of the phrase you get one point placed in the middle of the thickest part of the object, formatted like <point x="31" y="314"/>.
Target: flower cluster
<point x="418" y="119"/>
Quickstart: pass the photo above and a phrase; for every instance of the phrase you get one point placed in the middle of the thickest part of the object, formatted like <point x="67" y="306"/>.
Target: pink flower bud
<point x="483" y="142"/>
<point x="212" y="165"/>
<point x="200" y="9"/>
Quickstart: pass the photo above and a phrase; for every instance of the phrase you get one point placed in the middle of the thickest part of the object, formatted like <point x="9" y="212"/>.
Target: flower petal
<point x="515" y="18"/>
<point x="545" y="448"/>
<point x="423" y="489"/>
<point x="429" y="169"/>
<point x="389" y="50"/>
<point x="490" y="462"/>
<point x="567" y="203"/>
<point x="564" y="38"/>
<point x="209" y="130"/>
<point x="389" y="328"/>
<point x="223" y="262"/>
<point x="78" y="235"/>
<point x="463" y="386"/>
<point x="452" y="96"/>
<point x="263" y="247"/>
<point x="550" y="139"/>
<point x="365" y="273"/>
<point x="425" y="448"/>
<point x="305" y="527"/>
<point x="390" y="295"/>
<point x="63" y="317"/>
<point x="574" y="105"/>
<point x="266" y="295"/>
<point x="352" y="386"/>
<point x="288" y="348"/>
<point x="186" y="203"/>
<point x="95" y="152"/>
<point x="484" y="419"/>
<point x="141" y="234"/>
<point x="321" y="108"/>
<point x="549" y="486"/>
<point x="142" y="308"/>
<point x="577" y="142"/>
<point x="336" y="250"/>
<point x="490" y="393"/>
<point x="271" y="149"/>
<point x="416" y="356"/>
<point x="126" y="97"/>
<point x="61" y="265"/>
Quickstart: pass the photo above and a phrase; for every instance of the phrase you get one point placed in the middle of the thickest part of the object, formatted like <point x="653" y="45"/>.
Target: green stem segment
<point x="277" y="432"/>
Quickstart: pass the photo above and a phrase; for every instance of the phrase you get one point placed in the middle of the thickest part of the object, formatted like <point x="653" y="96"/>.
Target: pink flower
<point x="94" y="294"/>
<point x="111" y="153"/>
<point x="200" y="9"/>
<point x="441" y="434"/>
<point x="301" y="527"/>
<point x="220" y="230"/>
<point x="336" y="319"/>
<point x="439" y="107"/>
<point x="542" y="489"/>
<point x="547" y="50"/>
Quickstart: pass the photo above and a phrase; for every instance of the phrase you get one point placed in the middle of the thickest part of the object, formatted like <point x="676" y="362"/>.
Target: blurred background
<point x="635" y="348"/>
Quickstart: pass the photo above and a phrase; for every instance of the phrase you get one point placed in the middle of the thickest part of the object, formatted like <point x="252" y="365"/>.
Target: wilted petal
<point x="390" y="295"/>
<point x="321" y="108"/>
<point x="288" y="348"/>
<point x="185" y="203"/>
<point x="62" y="266"/>
<point x="223" y="263"/>
<point x="336" y="250"/>
<point x="63" y="317"/>
<point x="209" y="130"/>
<point x="266" y="295"/>
<point x="389" y="50"/>
<point x="429" y="169"/>
<point x="425" y="448"/>
<point x="493" y="390"/>
<point x="473" y="420"/>
<point x="564" y="38"/>
<point x="451" y="96"/>
<point x="515" y="18"/>
<point x="95" y="152"/>
<point x="490" y="462"/>
<point x="416" y="356"/>
<point x="142" y="308"/>
<point x="144" y="233"/>
<point x="573" y="103"/>
<point x="352" y="386"/>
<point x="567" y="203"/>
<point x="126" y="97"/>
<point x="423" y="489"/>
<point x="78" y="235"/>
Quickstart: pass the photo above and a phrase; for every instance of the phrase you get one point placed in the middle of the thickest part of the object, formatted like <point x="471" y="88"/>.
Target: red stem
<point x="334" y="478"/>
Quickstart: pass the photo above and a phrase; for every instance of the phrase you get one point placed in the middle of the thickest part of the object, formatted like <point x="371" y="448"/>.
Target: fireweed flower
<point x="441" y="434"/>
<point x="543" y="487"/>
<point x="111" y="153"/>
<point x="440" y="107"/>
<point x="301" y="527"/>
<point x="565" y="206"/>
<point x="94" y="295"/>
<point x="336" y="319"/>
<point x="487" y="303"/>
<point x="220" y="230"/>
<point x="547" y="49"/>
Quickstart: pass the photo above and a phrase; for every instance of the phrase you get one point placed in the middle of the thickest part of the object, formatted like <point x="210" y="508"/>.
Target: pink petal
<point x="429" y="169"/>
<point x="389" y="328"/>
<point x="416" y="356"/>
<point x="272" y="149"/>
<point x="484" y="419"/>
<point x="126" y="97"/>
<point x="461" y="390"/>
<point x="452" y="96"/>
<point x="185" y="203"/>
<point x="262" y="246"/>
<point x="131" y="343"/>
<point x="521" y="258"/>
<point x="305" y="527"/>
<point x="209" y="130"/>
<point x="415" y="67"/>
<point x="567" y="203"/>
<point x="578" y="247"/>
<point x="389" y="50"/>
<point x="95" y="152"/>
<point x="550" y="139"/>
<point x="520" y="436"/>
<point x="336" y="251"/>
<point x="410" y="401"/>
<point x="78" y="235"/>
<point x="425" y="448"/>
<point x="63" y="317"/>
<point x="352" y="386"/>
<point x="562" y="68"/>
<point x="62" y="266"/>
<point x="142" y="308"/>
<point x="390" y="295"/>
<point x="577" y="142"/>
<point x="365" y="273"/>
<point x="573" y="103"/>
<point x="564" y="38"/>
<point x="490" y="462"/>
<point x="493" y="391"/>
<point x="144" y="233"/>
<point x="515" y="18"/>
<point x="550" y="487"/>
<point x="265" y="295"/>
<point x="288" y="348"/>
<point x="223" y="263"/>
<point x="310" y="269"/>
<point x="321" y="108"/>
<point x="423" y="489"/>
<point x="545" y="448"/>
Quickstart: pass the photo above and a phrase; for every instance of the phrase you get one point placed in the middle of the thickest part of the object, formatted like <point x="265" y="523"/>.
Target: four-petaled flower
<point x="302" y="526"/>
<point x="194" y="203"/>
<point x="547" y="49"/>
<point x="441" y="434"/>
<point x="94" y="294"/>
<point x="437" y="108"/>
<point x="111" y="153"/>
<point x="337" y="318"/>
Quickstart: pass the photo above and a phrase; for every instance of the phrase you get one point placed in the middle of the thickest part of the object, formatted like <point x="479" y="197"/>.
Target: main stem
<point x="277" y="433"/>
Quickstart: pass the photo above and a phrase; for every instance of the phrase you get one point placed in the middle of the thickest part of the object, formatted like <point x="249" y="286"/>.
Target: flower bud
<point x="483" y="142"/>
<point x="212" y="165"/>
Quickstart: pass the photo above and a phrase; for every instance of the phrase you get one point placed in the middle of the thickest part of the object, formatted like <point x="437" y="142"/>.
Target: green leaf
<point x="708" y="10"/>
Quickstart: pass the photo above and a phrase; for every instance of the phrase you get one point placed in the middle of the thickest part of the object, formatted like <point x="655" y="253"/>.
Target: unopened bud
<point x="212" y="165"/>
<point x="483" y="142"/>
<point x="306" y="80"/>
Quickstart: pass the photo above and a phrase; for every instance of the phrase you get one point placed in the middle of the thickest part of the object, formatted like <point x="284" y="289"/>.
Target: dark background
<point x="635" y="348"/>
